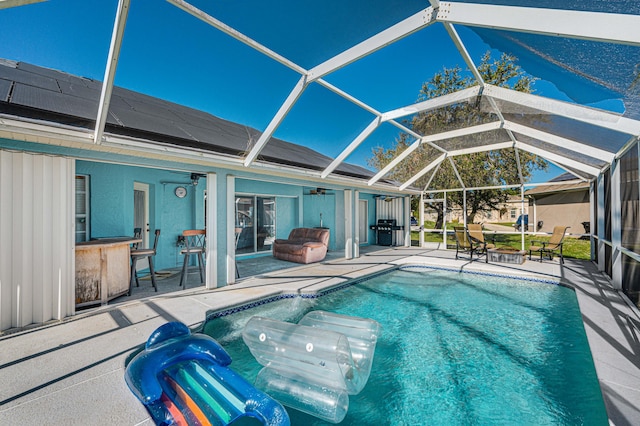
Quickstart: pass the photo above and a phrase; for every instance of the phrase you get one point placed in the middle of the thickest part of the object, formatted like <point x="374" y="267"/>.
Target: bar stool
<point x="194" y="243"/>
<point x="136" y="254"/>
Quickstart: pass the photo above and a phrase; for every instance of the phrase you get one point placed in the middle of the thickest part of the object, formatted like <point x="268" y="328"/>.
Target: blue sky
<point x="169" y="54"/>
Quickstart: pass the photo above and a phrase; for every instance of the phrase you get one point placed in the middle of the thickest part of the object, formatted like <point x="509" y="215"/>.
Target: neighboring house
<point x="564" y="201"/>
<point x="158" y="165"/>
<point x="508" y="212"/>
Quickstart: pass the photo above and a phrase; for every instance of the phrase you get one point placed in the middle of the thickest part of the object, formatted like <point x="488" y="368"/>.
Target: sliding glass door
<point x="255" y="223"/>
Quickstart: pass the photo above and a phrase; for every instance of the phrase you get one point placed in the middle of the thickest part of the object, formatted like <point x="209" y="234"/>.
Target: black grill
<point x="384" y="231"/>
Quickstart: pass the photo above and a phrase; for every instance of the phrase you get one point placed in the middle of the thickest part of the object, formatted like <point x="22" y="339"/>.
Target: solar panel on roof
<point x="5" y="87"/>
<point x="29" y="78"/>
<point x="47" y="100"/>
<point x="78" y="90"/>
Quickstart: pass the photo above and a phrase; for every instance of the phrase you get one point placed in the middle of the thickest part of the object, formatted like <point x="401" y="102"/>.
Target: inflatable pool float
<point x="313" y="366"/>
<point x="184" y="379"/>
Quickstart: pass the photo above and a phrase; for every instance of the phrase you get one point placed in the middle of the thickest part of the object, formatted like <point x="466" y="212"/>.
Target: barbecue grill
<point x="384" y="231"/>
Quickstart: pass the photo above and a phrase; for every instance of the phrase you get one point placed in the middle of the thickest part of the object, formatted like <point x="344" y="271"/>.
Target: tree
<point x="490" y="168"/>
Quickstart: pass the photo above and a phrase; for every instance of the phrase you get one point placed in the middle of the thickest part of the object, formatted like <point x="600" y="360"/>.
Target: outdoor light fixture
<point x="195" y="177"/>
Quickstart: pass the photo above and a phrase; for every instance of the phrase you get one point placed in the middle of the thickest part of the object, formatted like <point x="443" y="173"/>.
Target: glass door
<point x="255" y="223"/>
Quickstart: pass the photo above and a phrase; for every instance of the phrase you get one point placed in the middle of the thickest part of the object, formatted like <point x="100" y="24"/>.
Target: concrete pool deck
<point x="71" y="372"/>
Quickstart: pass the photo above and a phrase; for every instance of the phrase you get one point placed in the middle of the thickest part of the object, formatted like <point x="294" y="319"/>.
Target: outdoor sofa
<point x="304" y="245"/>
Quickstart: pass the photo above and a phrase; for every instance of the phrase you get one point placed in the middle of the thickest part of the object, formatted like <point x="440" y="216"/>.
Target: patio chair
<point x="466" y="244"/>
<point x="553" y="245"/>
<point x="475" y="233"/>
<point x="140" y="253"/>
<point x="194" y="244"/>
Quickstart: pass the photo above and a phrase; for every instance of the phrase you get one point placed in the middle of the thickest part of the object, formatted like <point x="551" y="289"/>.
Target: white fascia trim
<point x="110" y="70"/>
<point x="276" y="120"/>
<point x="482" y="148"/>
<point x="217" y="160"/>
<point x="194" y="11"/>
<point x="394" y="162"/>
<point x="597" y="26"/>
<point x="480" y="128"/>
<point x="430" y="104"/>
<point x="560" y="141"/>
<point x="577" y="112"/>
<point x="352" y="146"/>
<point x="430" y="166"/>
<point x="593" y="171"/>
<point x="17" y="129"/>
<point x="384" y="38"/>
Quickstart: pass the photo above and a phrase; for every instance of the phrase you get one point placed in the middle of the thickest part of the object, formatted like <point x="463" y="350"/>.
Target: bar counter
<point x="102" y="269"/>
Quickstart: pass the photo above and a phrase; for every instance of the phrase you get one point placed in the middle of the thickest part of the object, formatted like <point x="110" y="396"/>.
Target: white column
<point x="592" y="219"/>
<point x="348" y="224"/>
<point x="407" y="221"/>
<point x="211" y="256"/>
<point x="601" y="222"/>
<point x="231" y="237"/>
<point x="421" y="219"/>
<point x="356" y="224"/>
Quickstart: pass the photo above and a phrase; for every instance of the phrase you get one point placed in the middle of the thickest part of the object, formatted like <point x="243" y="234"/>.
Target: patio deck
<point x="72" y="372"/>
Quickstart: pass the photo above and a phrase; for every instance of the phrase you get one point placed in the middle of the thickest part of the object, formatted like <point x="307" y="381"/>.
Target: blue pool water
<point x="456" y="349"/>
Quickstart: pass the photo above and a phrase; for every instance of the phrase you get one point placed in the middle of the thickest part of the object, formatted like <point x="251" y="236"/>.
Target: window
<point x="513" y="213"/>
<point x="82" y="208"/>
<point x="256" y="220"/>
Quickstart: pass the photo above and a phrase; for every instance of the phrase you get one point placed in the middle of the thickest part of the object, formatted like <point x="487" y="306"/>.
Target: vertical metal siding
<point x="393" y="209"/>
<point x="36" y="229"/>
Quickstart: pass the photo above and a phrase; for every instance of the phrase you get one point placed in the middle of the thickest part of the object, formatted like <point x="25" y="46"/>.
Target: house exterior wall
<point x="566" y="209"/>
<point x="112" y="179"/>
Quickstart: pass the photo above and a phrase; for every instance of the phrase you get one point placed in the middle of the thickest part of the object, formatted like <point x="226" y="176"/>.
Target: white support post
<point x="356" y="224"/>
<point x="464" y="207"/>
<point x="276" y="120"/>
<point x="348" y="224"/>
<point x="110" y="70"/>
<point x="444" y="220"/>
<point x="421" y="219"/>
<point x="231" y="237"/>
<point x="597" y="26"/>
<point x="407" y="221"/>
<point x="352" y="146"/>
<point x="601" y="222"/>
<point x="592" y="218"/>
<point x="523" y="228"/>
<point x="211" y="255"/>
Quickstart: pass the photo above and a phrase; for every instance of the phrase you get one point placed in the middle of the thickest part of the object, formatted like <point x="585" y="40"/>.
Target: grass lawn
<point x="573" y="247"/>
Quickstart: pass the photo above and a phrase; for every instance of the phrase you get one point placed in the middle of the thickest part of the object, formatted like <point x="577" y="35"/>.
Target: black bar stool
<point x="142" y="253"/>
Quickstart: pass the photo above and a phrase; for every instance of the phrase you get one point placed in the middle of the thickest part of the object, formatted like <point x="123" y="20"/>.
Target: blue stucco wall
<point x="111" y="189"/>
<point x="314" y="206"/>
<point x="112" y="178"/>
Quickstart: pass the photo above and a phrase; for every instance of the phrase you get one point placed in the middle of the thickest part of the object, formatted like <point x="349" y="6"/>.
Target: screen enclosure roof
<point x="329" y="82"/>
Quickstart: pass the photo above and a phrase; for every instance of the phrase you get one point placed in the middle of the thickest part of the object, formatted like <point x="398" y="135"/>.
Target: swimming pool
<point x="456" y="348"/>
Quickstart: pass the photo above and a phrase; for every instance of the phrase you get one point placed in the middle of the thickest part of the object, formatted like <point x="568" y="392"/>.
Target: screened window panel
<point x="452" y="117"/>
<point x="630" y="200"/>
<point x="607" y="222"/>
<point x="630" y="281"/>
<point x="82" y="214"/>
<point x="595" y="136"/>
<point x="555" y="149"/>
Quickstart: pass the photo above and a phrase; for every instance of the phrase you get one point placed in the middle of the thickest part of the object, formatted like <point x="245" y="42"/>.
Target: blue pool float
<point x="184" y="379"/>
